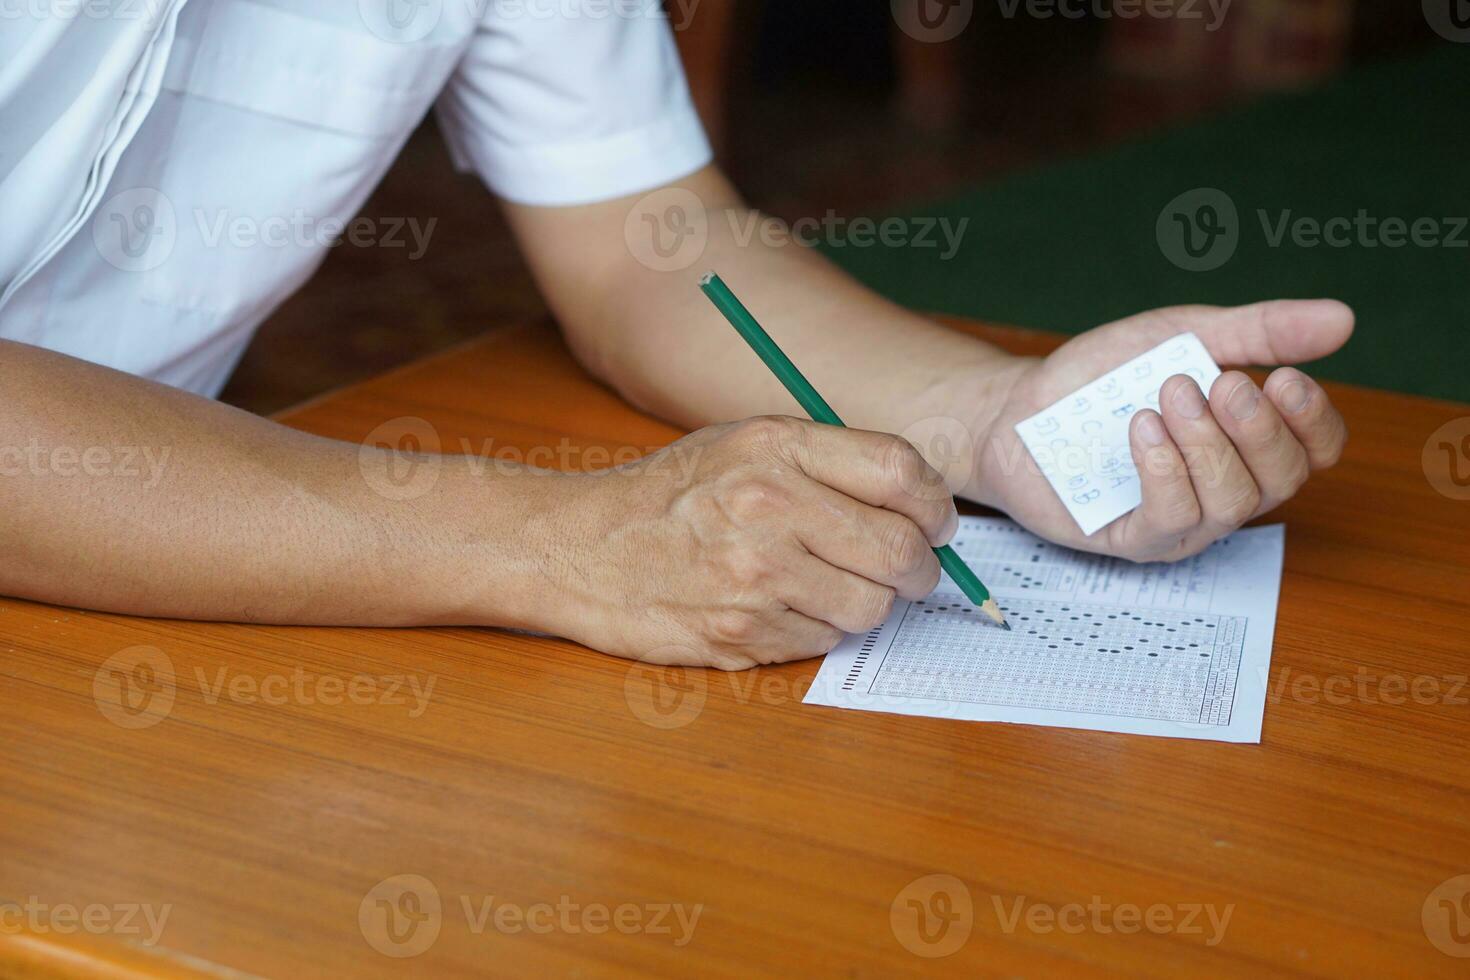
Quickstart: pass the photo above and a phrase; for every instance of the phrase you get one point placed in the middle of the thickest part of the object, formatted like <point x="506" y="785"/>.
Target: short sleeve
<point x="572" y="102"/>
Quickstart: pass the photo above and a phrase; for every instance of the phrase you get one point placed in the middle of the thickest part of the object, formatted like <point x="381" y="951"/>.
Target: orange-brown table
<point x="306" y="802"/>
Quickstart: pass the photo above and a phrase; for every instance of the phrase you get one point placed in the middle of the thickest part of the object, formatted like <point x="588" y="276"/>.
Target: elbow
<point x="610" y="363"/>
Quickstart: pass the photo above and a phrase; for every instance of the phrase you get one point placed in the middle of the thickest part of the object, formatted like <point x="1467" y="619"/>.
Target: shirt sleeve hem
<point x="585" y="171"/>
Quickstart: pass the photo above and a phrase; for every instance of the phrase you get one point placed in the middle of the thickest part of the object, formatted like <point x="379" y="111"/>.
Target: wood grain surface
<point x="305" y="802"/>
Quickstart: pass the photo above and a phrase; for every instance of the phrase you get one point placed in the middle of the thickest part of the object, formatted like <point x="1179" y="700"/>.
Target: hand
<point x="1205" y="467"/>
<point x="750" y="543"/>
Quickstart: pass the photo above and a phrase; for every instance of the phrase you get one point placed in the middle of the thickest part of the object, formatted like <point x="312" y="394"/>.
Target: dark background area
<point x="820" y="105"/>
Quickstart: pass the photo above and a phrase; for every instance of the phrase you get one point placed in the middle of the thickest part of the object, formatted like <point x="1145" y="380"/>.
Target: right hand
<point x="755" y="542"/>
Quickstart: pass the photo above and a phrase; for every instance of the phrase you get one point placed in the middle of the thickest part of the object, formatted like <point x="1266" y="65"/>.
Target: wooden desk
<point x="540" y="772"/>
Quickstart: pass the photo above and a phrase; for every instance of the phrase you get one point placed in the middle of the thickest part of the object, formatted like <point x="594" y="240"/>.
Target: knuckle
<point x="1286" y="460"/>
<point x="764" y="431"/>
<point x="904" y="550"/>
<point x="1271" y="436"/>
<point x="1332" y="446"/>
<point x="1296" y="475"/>
<point x="871" y="608"/>
<point x="1177" y="514"/>
<point x="748" y="569"/>
<point x="901" y="463"/>
<point x="748" y="499"/>
<point x="732" y="627"/>
<point x="1238" y="506"/>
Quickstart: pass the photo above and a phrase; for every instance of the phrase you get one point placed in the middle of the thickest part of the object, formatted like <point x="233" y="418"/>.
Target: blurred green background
<point x="1075" y="244"/>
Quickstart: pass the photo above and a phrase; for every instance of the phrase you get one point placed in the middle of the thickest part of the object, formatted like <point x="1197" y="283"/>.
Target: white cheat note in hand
<point x="1081" y="442"/>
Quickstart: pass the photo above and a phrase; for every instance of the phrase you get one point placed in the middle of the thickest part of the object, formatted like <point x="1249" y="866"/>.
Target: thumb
<point x="1282" y="331"/>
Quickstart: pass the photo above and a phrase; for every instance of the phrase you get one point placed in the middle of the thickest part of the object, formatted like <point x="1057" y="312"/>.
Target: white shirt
<point x="171" y="170"/>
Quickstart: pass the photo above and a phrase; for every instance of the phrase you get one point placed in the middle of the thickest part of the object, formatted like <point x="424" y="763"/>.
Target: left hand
<point x="1206" y="466"/>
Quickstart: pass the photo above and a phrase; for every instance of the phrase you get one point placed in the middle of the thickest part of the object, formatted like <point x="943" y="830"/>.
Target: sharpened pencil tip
<point x="989" y="608"/>
<point x="1006" y="627"/>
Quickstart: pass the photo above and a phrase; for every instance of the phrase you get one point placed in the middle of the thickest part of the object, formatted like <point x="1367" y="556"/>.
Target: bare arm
<point x="124" y="495"/>
<point x="121" y="494"/>
<point x="654" y="336"/>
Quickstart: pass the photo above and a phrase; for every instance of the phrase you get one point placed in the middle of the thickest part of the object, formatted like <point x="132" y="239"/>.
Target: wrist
<point x="964" y="412"/>
<point x="496" y="560"/>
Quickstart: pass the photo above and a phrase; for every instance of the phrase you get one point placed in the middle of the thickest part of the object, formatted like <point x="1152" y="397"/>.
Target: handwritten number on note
<point x="1098" y="481"/>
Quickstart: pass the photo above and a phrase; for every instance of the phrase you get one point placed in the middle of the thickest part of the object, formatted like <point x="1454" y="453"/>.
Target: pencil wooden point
<point x="989" y="608"/>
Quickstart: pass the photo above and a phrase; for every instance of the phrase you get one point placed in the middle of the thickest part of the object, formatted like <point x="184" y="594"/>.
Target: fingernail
<point x="1295" y="395"/>
<point x="1243" y="399"/>
<point x="1188" y="401"/>
<point x="1150" y="429"/>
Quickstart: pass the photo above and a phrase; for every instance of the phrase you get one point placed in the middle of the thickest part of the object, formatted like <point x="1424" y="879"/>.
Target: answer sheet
<point x="1181" y="650"/>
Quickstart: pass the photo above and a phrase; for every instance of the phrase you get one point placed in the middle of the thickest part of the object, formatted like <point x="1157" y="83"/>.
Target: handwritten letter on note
<point x="1081" y="442"/>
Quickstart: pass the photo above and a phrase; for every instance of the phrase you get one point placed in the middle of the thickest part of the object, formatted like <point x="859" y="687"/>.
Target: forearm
<point x="654" y="336"/>
<point x="129" y="496"/>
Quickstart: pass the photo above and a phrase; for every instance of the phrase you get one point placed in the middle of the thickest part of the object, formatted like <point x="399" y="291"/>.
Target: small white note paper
<point x="1081" y="442"/>
<point x="1181" y="650"/>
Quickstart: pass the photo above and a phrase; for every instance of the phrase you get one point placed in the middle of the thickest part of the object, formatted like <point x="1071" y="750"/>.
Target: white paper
<point x="1180" y="650"/>
<point x="1081" y="442"/>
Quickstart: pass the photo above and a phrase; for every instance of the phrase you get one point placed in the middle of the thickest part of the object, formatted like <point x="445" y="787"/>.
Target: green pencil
<point x="801" y="389"/>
